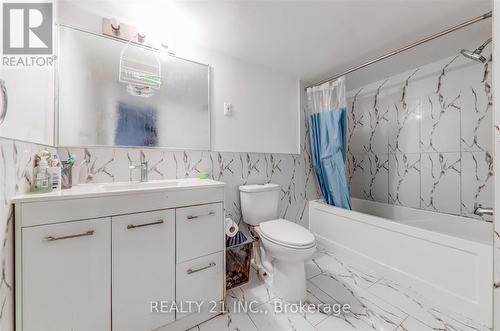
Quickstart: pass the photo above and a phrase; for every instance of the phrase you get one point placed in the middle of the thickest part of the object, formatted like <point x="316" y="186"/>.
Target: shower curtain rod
<point x="405" y="48"/>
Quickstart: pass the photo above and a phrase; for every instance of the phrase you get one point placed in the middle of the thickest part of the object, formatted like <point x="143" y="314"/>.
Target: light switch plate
<point x="228" y="109"/>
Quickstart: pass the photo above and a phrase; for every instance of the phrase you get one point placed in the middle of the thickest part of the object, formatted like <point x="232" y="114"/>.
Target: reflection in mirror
<point x="113" y="93"/>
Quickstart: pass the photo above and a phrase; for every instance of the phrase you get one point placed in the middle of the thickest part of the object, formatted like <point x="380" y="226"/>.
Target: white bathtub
<point x="449" y="259"/>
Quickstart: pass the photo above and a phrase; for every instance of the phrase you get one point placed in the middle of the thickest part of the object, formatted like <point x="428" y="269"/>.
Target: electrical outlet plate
<point x="228" y="109"/>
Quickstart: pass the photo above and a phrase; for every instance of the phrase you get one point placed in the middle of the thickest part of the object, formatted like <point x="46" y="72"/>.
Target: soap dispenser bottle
<point x="41" y="177"/>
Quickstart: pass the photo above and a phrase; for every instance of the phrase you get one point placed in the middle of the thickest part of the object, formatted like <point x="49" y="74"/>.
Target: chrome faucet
<point x="144" y="170"/>
<point x="479" y="210"/>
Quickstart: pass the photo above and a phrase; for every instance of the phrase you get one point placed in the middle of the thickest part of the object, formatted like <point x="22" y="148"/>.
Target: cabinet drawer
<point x="200" y="280"/>
<point x="199" y="231"/>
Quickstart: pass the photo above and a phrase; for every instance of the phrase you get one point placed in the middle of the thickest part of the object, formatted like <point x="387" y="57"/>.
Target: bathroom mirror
<point x="114" y="93"/>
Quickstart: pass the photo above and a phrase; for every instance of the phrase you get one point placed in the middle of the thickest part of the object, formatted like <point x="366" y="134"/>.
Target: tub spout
<point x="480" y="210"/>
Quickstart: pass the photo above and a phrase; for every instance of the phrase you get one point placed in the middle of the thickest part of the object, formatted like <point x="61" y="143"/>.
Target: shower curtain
<point x="328" y="130"/>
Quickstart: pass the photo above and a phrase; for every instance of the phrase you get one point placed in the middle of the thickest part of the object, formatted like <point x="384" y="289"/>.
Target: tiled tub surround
<point x="16" y="163"/>
<point x="423" y="138"/>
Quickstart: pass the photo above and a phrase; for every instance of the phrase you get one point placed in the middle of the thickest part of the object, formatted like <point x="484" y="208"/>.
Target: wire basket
<point x="238" y="257"/>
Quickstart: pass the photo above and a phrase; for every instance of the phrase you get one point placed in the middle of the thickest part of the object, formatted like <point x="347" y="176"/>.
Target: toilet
<point x="285" y="245"/>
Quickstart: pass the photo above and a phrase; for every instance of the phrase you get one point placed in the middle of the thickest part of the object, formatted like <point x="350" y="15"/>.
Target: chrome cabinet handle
<point x="52" y="238"/>
<point x="192" y="271"/>
<point x="192" y="217"/>
<point x="5" y="101"/>
<point x="132" y="226"/>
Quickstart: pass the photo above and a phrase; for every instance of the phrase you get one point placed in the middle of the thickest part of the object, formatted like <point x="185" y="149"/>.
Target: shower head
<point x="473" y="55"/>
<point x="476" y="54"/>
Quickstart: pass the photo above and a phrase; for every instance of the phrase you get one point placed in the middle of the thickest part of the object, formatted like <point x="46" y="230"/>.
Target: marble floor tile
<point x="318" y="297"/>
<point x="411" y="324"/>
<point x="420" y="309"/>
<point x="254" y="290"/>
<point x="343" y="323"/>
<point x="346" y="271"/>
<point x="365" y="308"/>
<point x="229" y="321"/>
<point x="312" y="266"/>
<point x="375" y="303"/>
<point x="270" y="318"/>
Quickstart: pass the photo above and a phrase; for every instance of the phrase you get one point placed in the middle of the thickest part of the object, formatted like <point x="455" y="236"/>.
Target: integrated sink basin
<point x="120" y="186"/>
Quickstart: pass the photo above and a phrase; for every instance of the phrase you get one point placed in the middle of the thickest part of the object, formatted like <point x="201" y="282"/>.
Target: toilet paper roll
<point x="231" y="227"/>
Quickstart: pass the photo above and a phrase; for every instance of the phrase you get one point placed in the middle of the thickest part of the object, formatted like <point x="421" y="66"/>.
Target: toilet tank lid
<point x="259" y="188"/>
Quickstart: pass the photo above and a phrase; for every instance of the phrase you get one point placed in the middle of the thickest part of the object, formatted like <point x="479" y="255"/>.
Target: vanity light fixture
<point x="141" y="37"/>
<point x="111" y="27"/>
<point x="115" y="26"/>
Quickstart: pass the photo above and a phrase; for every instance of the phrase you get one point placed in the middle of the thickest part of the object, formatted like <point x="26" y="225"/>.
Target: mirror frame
<point x="57" y="45"/>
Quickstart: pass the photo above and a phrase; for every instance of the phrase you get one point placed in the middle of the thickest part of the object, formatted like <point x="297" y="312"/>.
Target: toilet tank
<point x="259" y="202"/>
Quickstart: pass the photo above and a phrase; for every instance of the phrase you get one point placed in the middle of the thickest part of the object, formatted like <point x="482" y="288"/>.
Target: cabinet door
<point x="143" y="254"/>
<point x="66" y="280"/>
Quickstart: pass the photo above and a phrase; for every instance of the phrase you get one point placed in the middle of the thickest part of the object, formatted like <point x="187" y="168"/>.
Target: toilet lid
<point x="286" y="232"/>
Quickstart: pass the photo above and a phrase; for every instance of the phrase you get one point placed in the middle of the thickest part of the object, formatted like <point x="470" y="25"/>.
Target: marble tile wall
<point x="423" y="138"/>
<point x="292" y="172"/>
<point x="16" y="163"/>
<point x="496" y="233"/>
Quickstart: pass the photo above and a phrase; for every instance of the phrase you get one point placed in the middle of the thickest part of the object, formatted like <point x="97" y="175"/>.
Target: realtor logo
<point x="27" y="28"/>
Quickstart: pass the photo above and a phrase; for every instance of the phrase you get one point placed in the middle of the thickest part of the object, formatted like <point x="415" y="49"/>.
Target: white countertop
<point x="119" y="188"/>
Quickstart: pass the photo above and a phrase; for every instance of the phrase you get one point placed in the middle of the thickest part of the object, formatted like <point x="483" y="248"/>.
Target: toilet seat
<point x="287" y="234"/>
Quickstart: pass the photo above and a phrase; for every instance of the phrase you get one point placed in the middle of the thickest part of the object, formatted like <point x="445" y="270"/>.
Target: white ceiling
<point x="308" y="39"/>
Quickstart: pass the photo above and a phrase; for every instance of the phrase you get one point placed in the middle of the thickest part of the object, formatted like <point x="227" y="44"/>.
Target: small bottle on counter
<point x="54" y="171"/>
<point x="41" y="176"/>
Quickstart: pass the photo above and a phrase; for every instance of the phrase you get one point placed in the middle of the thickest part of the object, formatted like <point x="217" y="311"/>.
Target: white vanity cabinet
<point x="96" y="258"/>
